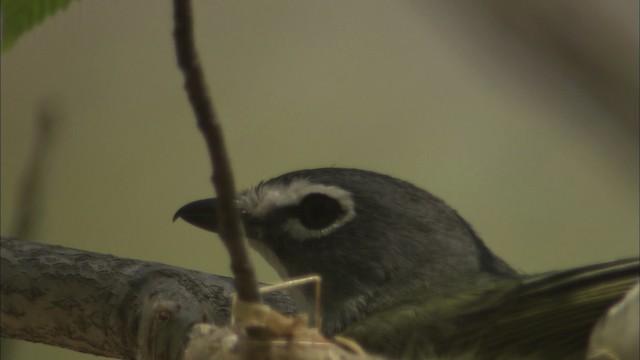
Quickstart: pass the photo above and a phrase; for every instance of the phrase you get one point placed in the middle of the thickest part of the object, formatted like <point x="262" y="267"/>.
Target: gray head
<point x="366" y="234"/>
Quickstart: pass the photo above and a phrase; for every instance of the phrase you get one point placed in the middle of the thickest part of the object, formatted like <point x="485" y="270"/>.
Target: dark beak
<point x="201" y="213"/>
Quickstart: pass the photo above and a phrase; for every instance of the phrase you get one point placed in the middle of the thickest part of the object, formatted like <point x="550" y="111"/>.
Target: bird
<point x="407" y="277"/>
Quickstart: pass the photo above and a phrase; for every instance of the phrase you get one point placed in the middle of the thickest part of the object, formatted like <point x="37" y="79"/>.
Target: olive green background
<point x="547" y="176"/>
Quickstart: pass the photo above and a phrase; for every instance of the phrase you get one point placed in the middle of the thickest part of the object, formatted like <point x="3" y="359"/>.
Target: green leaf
<point x="20" y="16"/>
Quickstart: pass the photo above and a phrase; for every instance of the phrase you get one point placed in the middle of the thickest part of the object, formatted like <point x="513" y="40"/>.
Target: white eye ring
<point x="265" y="198"/>
<point x="299" y="232"/>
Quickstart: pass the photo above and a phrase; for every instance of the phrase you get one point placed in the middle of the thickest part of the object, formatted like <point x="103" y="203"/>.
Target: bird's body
<point x="406" y="276"/>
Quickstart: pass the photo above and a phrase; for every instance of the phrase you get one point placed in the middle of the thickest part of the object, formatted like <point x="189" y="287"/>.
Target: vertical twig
<point x="230" y="229"/>
<point x="28" y="207"/>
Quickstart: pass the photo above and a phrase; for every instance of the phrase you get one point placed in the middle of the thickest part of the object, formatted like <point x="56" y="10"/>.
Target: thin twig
<point x="29" y="204"/>
<point x="230" y="229"/>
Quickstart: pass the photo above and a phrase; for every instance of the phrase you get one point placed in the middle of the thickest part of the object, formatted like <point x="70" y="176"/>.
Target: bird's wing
<point x="547" y="316"/>
<point x="551" y="315"/>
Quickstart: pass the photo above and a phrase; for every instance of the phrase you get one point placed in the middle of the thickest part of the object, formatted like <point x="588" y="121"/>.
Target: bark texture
<point x="106" y="305"/>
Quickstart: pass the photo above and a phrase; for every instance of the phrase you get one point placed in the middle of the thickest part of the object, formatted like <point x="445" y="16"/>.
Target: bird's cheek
<point x="253" y="228"/>
<point x="261" y="234"/>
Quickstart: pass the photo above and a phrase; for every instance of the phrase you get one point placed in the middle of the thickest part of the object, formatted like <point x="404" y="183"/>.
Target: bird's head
<point x="366" y="234"/>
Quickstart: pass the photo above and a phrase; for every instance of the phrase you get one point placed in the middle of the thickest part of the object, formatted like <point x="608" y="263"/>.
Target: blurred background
<point x="523" y="116"/>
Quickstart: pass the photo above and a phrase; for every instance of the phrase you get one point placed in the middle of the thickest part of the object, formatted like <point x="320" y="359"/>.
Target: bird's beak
<point x="201" y="213"/>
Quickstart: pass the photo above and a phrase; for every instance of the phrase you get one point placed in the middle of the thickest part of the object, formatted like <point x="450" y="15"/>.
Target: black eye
<point x="318" y="211"/>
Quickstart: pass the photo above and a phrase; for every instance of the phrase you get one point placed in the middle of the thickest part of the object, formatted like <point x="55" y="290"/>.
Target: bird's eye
<point x="317" y="211"/>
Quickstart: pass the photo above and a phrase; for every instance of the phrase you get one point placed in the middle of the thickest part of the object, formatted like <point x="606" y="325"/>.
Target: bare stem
<point x="230" y="229"/>
<point x="29" y="207"/>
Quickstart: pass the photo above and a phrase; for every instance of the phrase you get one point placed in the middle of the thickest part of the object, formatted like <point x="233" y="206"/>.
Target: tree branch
<point x="106" y="305"/>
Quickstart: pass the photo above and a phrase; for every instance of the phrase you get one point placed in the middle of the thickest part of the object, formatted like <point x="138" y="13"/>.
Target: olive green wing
<point x="550" y="315"/>
<point x="547" y="316"/>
